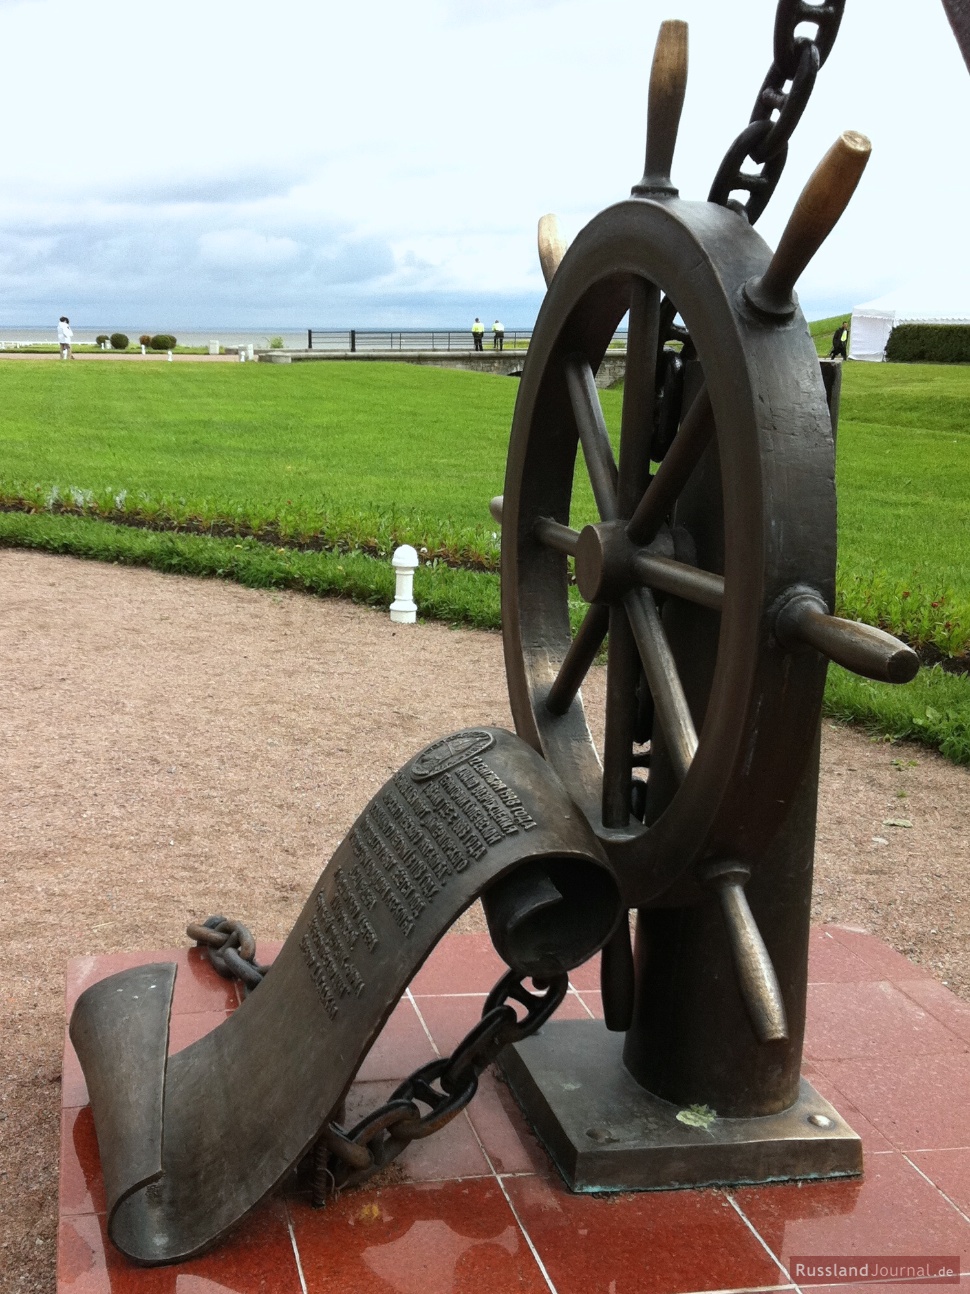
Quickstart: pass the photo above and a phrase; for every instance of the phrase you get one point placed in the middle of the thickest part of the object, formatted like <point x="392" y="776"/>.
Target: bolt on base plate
<point x="606" y="1133"/>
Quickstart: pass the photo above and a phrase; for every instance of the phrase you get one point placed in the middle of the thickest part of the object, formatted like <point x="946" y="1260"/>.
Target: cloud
<point x="248" y="185"/>
<point x="167" y="266"/>
<point x="245" y="249"/>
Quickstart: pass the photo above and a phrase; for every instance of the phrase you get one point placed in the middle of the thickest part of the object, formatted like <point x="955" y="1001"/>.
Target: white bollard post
<point x="143" y="350"/>
<point x="404" y="610"/>
<point x="242" y="354"/>
<point x="170" y="357"/>
<point x="250" y="351"/>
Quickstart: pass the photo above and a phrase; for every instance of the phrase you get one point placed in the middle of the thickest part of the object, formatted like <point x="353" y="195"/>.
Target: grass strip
<point x="934" y="709"/>
<point x="442" y="592"/>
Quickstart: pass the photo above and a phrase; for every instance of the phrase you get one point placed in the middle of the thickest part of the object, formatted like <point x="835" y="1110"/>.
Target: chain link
<point x="341" y="1159"/>
<point x="446" y="1086"/>
<point x="764" y="141"/>
<point x="231" y="949"/>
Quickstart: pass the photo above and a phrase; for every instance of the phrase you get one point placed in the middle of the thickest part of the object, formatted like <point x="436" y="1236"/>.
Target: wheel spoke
<point x="683" y="581"/>
<point x="623" y="671"/>
<point x="593" y="436"/>
<point x="577" y="661"/>
<point x="555" y="535"/>
<point x="674" y="472"/>
<point x="663" y="679"/>
<point x="639" y="394"/>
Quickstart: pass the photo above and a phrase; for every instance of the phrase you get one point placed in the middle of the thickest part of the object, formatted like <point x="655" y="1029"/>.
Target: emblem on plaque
<point x="449" y="752"/>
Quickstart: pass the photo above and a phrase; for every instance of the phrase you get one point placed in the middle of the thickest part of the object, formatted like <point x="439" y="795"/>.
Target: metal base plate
<point x="606" y="1133"/>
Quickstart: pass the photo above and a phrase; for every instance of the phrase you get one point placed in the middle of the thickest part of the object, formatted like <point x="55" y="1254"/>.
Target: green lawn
<point x="327" y="453"/>
<point x="354" y="458"/>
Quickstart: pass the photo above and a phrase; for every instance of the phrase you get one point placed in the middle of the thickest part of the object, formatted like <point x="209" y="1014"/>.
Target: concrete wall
<point x="501" y="363"/>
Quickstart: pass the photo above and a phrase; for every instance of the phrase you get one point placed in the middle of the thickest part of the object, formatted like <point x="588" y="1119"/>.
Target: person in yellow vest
<point x="839" y="339"/>
<point x="498" y="336"/>
<point x="478" y="334"/>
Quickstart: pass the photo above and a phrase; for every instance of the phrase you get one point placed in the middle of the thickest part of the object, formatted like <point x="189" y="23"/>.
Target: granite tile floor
<point x="480" y="1208"/>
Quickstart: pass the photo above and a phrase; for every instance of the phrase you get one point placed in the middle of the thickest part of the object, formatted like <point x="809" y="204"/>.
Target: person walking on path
<point x="65" y="336"/>
<point x="478" y="334"/>
<point x="498" y="336"/>
<point x="839" y="339"/>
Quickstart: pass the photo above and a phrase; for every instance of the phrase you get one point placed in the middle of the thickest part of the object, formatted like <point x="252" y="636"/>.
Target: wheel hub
<point x="604" y="562"/>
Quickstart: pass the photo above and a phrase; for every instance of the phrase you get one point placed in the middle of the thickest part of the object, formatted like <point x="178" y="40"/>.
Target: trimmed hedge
<point x="929" y="344"/>
<point x="118" y="341"/>
<point x="163" y="341"/>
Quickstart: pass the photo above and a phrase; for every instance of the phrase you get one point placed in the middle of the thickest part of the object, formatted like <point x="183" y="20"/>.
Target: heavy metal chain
<point x="445" y="1086"/>
<point x="231" y="949"/>
<point x="764" y="141"/>
<point x="341" y="1158"/>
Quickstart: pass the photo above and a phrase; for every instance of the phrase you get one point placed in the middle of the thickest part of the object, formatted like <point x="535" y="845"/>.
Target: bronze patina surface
<point x="708" y="568"/>
<point x="190" y="1142"/>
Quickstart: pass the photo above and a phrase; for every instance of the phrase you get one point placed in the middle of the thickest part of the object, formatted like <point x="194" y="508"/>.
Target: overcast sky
<point x="192" y="163"/>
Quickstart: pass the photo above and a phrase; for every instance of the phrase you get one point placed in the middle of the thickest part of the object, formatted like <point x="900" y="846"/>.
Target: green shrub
<point x="101" y="338"/>
<point x="163" y="341"/>
<point x="118" y="341"/>
<point x="276" y="343"/>
<point x="929" y="344"/>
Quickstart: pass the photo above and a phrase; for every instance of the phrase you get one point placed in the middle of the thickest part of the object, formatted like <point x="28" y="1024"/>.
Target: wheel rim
<point x="722" y="763"/>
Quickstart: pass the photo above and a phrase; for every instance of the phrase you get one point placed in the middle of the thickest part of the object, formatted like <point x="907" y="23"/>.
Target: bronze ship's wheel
<point x="704" y="545"/>
<point x="709" y="720"/>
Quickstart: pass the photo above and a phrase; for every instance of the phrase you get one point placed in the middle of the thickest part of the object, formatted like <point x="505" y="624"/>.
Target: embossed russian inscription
<point x="428" y="824"/>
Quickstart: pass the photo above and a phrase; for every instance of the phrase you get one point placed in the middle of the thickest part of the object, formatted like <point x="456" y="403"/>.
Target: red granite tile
<point x="186" y="1029"/>
<point x="256" y="1259"/>
<point x="199" y="987"/>
<point x="908" y="1287"/>
<point x="460" y="964"/>
<point x="503" y="1131"/>
<point x="950" y="1171"/>
<point x="885" y="961"/>
<point x="587" y="975"/>
<point x="941" y="1003"/>
<point x="917" y="1102"/>
<point x="873" y="1142"/>
<point x="891" y="1210"/>
<point x="452" y="1153"/>
<point x="654" y="1241"/>
<point x="875" y="1019"/>
<point x="450" y="1018"/>
<point x="401" y="1046"/>
<point x="831" y="962"/>
<point x="460" y="1238"/>
<point x="593" y="1002"/>
<point x="82" y="1187"/>
<point x="74" y="1090"/>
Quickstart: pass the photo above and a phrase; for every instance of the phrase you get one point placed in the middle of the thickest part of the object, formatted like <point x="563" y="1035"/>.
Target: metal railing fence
<point x="356" y="339"/>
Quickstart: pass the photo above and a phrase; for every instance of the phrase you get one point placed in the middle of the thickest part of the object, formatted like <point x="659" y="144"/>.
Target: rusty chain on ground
<point x="231" y="948"/>
<point x="764" y="141"/>
<point x="342" y="1158"/>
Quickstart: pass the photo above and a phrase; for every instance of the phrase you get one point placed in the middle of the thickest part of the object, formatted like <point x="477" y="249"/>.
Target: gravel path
<point x="173" y="747"/>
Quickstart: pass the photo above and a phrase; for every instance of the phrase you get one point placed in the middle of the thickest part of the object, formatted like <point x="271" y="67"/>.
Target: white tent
<point x="945" y="301"/>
